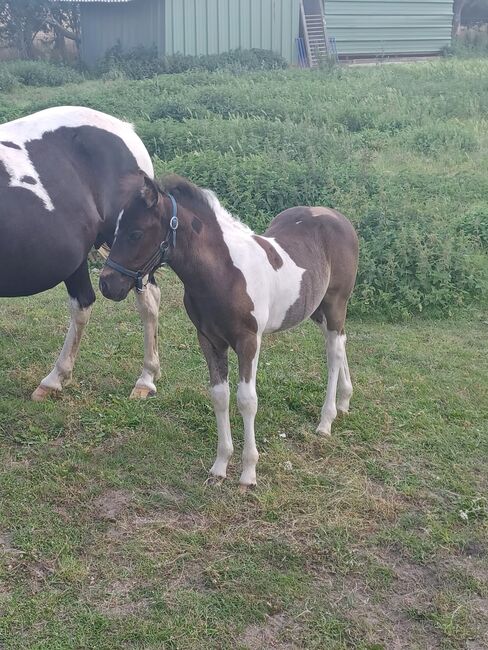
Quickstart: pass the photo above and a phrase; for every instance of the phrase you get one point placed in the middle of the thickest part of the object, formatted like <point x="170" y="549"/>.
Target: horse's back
<point x="303" y="222"/>
<point x="60" y="176"/>
<point x="324" y="243"/>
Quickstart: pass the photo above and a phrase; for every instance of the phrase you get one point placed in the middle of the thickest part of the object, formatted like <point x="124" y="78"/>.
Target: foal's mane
<point x="205" y="199"/>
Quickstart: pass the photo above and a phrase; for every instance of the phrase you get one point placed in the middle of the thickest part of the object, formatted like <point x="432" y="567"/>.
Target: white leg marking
<point x="345" y="385"/>
<point x="225" y="449"/>
<point x="60" y="375"/>
<point x="335" y="361"/>
<point x="148" y="307"/>
<point x="247" y="402"/>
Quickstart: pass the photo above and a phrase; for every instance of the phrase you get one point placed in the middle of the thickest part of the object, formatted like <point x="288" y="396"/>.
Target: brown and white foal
<point x="239" y="286"/>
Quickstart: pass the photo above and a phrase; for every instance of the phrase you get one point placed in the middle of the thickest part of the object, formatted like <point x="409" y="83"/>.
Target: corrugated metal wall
<point x="131" y="23"/>
<point x="214" y="26"/>
<point x="377" y="27"/>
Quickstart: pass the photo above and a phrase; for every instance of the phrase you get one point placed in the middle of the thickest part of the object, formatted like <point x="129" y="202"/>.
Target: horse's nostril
<point x="103" y="287"/>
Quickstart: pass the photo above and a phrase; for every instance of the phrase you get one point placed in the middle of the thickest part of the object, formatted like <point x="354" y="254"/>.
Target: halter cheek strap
<point x="159" y="258"/>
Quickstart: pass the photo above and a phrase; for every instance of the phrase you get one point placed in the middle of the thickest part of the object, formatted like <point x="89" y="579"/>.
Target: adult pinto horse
<point x="239" y="286"/>
<point x="60" y="175"/>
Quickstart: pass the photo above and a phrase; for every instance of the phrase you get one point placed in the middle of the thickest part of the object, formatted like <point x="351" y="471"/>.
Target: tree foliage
<point x="473" y="8"/>
<point x="22" y="20"/>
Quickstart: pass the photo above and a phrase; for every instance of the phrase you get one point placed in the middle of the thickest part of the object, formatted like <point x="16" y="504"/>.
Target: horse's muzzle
<point x="114" y="285"/>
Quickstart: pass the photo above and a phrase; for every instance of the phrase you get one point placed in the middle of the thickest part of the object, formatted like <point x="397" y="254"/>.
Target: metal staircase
<point x="314" y="32"/>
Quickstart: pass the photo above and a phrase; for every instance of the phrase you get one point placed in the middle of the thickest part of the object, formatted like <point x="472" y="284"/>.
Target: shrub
<point x="7" y="80"/>
<point x="144" y="63"/>
<point x="407" y="267"/>
<point x="474" y="224"/>
<point x="471" y="42"/>
<point x="41" y="73"/>
<point x="435" y="137"/>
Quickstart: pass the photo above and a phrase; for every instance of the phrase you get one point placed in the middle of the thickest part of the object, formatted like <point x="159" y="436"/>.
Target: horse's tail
<point x="104" y="251"/>
<point x="97" y="255"/>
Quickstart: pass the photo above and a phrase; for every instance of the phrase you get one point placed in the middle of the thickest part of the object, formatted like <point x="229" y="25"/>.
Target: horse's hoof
<point x="42" y="392"/>
<point x="323" y="431"/>
<point x="245" y="488"/>
<point x="214" y="481"/>
<point x="142" y="392"/>
<point x="342" y="413"/>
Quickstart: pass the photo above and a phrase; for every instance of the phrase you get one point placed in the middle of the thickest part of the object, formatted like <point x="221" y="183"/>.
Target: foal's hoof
<point x="43" y="392"/>
<point x="245" y="489"/>
<point x="323" y="430"/>
<point x="142" y="392"/>
<point x="341" y="413"/>
<point x="214" y="481"/>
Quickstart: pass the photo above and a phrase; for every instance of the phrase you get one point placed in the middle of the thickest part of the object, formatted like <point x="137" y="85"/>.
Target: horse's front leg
<point x="148" y="306"/>
<point x="217" y="361"/>
<point x="247" y="403"/>
<point x="82" y="298"/>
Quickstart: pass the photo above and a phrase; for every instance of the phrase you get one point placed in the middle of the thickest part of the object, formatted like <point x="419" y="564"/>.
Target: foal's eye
<point x="136" y="235"/>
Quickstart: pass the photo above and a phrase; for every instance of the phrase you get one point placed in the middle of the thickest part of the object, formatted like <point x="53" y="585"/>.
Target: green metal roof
<point x="93" y="1"/>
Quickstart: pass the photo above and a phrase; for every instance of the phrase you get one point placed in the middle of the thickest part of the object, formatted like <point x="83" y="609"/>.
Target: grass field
<point x="373" y="539"/>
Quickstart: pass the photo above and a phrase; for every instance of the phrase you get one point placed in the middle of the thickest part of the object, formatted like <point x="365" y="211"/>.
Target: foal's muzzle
<point x="114" y="285"/>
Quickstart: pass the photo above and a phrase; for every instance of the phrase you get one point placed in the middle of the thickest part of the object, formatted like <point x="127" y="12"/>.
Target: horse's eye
<point x="135" y="235"/>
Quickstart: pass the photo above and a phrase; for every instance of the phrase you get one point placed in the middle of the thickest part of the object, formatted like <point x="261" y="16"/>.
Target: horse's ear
<point x="149" y="191"/>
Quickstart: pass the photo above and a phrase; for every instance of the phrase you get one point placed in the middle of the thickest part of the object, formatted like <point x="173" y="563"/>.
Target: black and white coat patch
<point x="61" y="173"/>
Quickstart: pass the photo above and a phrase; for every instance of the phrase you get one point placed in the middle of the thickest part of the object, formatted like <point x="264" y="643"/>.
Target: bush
<point x="144" y="63"/>
<point x="471" y="42"/>
<point x="474" y="224"/>
<point x="408" y="267"/>
<point x="40" y="73"/>
<point x="7" y="80"/>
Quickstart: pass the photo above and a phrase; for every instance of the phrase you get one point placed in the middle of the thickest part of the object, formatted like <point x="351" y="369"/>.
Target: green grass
<point x="109" y="537"/>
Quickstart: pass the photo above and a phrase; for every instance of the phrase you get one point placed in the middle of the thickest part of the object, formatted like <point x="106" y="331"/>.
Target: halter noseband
<point x="159" y="258"/>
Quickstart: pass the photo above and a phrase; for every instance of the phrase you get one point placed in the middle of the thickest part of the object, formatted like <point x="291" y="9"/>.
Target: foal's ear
<point x="149" y="191"/>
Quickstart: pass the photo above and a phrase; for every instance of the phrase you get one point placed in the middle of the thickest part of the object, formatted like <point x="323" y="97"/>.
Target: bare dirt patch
<point x="268" y="635"/>
<point x="119" y="602"/>
<point x="111" y="504"/>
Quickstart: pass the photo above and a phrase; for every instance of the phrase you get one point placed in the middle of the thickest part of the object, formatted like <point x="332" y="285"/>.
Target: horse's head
<point x="141" y="238"/>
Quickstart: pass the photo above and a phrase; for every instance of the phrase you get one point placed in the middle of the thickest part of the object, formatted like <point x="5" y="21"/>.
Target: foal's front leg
<point x="217" y="361"/>
<point x="247" y="403"/>
<point x="148" y="307"/>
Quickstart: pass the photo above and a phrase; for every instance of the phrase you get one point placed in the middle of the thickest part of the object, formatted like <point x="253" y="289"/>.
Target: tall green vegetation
<point x="400" y="150"/>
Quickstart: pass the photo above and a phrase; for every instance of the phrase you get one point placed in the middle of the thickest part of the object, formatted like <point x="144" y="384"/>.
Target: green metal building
<point x="189" y="26"/>
<point x="389" y="27"/>
<point x="358" y="27"/>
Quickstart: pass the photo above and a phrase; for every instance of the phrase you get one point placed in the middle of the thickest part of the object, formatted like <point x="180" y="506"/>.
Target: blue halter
<point x="159" y="258"/>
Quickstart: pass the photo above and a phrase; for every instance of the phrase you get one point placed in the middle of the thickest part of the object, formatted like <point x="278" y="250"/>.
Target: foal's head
<point x="141" y="228"/>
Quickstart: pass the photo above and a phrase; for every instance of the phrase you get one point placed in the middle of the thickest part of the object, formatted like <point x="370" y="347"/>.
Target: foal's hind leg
<point x="82" y="298"/>
<point x="148" y="306"/>
<point x="331" y="317"/>
<point x="217" y="361"/>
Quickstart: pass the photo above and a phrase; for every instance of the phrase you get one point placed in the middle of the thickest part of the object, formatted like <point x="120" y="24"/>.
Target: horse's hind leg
<point x="331" y="317"/>
<point x="148" y="306"/>
<point x="81" y="301"/>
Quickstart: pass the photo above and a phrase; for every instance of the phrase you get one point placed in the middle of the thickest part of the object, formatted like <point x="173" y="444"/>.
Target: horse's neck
<point x="202" y="255"/>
